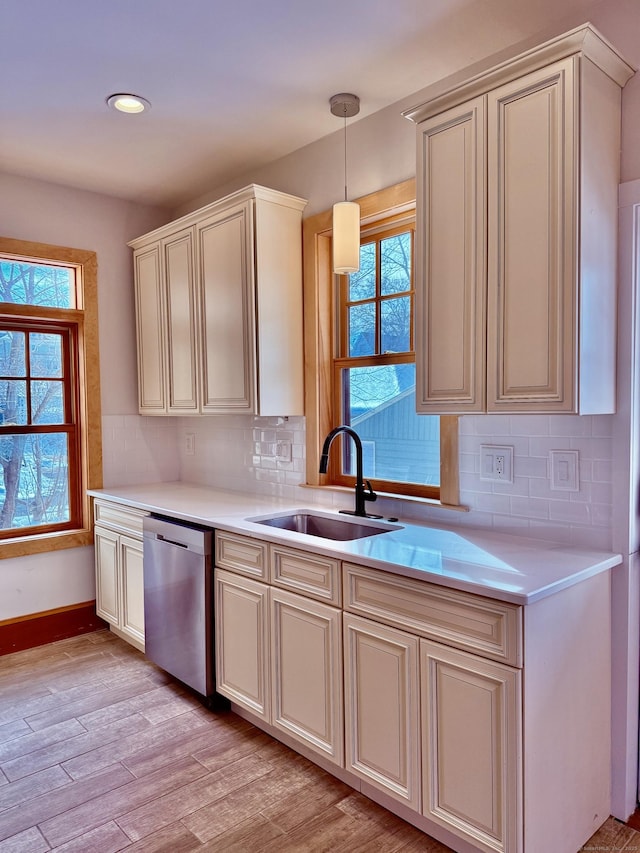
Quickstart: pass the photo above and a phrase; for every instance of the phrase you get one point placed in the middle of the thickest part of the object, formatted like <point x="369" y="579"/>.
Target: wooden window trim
<point x="391" y="204"/>
<point x="88" y="401"/>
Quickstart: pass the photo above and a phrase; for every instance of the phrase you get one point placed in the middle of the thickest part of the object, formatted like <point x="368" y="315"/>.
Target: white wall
<point x="49" y="213"/>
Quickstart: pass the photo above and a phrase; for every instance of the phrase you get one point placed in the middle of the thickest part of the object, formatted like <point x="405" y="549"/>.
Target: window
<point x="50" y="443"/>
<point x="360" y="358"/>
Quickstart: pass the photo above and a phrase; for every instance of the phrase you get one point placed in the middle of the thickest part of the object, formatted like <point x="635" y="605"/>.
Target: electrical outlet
<point x="496" y="463"/>
<point x="189" y="443"/>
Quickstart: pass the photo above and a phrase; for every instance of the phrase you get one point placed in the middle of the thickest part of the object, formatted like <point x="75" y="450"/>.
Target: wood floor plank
<point x="163" y="696"/>
<point x="34" y="741"/>
<point x="234" y="745"/>
<point x="239" y="805"/>
<point x="28" y="841"/>
<point x="108" y="838"/>
<point x="170" y="839"/>
<point x="13" y="729"/>
<point x="118" y="801"/>
<point x="157" y="738"/>
<point x="23" y="790"/>
<point x="62" y="800"/>
<point x="183" y="802"/>
<point x="71" y="747"/>
<point x="91" y="702"/>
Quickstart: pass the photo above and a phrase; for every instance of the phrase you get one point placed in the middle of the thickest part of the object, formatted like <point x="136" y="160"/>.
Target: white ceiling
<point x="233" y="85"/>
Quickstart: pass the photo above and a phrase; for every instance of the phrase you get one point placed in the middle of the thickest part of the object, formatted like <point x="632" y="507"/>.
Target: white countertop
<point x="510" y="568"/>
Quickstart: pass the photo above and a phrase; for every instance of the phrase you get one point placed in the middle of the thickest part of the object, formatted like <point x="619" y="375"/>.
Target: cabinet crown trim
<point x="248" y="193"/>
<point x="584" y="40"/>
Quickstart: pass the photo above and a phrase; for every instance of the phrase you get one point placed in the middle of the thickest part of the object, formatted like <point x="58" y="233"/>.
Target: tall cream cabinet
<point x="219" y="309"/>
<point x="119" y="575"/>
<point x="517" y="177"/>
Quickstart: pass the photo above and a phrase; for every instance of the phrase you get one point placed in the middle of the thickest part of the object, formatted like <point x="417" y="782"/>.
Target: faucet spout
<point x="362" y="494"/>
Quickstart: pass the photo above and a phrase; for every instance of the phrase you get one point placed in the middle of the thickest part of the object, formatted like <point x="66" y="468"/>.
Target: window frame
<point x="382" y="209"/>
<point x="85" y="393"/>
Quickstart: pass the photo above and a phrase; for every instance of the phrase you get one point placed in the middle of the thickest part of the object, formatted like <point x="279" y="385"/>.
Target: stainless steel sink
<point x="326" y="526"/>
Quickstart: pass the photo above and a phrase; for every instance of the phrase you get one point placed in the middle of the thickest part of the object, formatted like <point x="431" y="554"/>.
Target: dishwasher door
<point x="178" y="605"/>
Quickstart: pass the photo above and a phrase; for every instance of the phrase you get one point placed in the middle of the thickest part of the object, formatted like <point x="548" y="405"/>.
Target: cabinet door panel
<point x="107" y="575"/>
<point x="306" y="672"/>
<point x="132" y="588"/>
<point x="181" y="322"/>
<point x="150" y="330"/>
<point x="242" y="641"/>
<point x="382" y="708"/>
<point x="531" y="288"/>
<point x="471" y="716"/>
<point x="228" y="311"/>
<point x="451" y="268"/>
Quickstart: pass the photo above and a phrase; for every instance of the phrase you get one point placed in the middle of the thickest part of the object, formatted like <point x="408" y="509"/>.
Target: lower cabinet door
<point x="306" y="672"/>
<point x="242" y="641"/>
<point x="107" y="575"/>
<point x="382" y="708"/>
<point x="471" y="719"/>
<point x="132" y="588"/>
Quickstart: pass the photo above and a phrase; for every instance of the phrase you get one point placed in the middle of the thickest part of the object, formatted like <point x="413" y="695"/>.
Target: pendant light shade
<point x="346" y="214"/>
<point x="346" y="237"/>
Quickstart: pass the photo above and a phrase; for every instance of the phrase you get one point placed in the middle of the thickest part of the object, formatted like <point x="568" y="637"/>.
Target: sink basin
<point x="326" y="526"/>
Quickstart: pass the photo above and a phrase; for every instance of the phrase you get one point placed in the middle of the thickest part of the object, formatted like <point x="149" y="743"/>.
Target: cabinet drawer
<point x="241" y="554"/>
<point x="310" y="574"/>
<point x="483" y="626"/>
<point x="118" y="517"/>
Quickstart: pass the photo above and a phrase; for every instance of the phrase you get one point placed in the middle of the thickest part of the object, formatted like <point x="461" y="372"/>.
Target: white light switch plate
<point x="563" y="466"/>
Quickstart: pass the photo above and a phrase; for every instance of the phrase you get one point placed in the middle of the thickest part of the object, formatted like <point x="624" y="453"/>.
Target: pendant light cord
<point x="345" y="154"/>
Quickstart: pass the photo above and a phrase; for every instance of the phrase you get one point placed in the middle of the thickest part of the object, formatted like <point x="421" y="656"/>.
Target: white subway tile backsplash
<point x="239" y="453"/>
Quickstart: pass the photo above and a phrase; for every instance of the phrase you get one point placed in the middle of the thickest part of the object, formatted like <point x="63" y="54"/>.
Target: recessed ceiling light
<point x="126" y="103"/>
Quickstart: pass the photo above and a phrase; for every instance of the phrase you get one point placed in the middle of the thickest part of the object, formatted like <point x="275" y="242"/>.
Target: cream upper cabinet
<point x="219" y="309"/>
<point x="517" y="175"/>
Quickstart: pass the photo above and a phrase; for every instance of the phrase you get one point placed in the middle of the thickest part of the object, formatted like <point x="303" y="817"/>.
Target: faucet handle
<point x="370" y="495"/>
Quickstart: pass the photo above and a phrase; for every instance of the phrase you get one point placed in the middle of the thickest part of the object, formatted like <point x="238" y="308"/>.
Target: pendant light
<point x="346" y="214"/>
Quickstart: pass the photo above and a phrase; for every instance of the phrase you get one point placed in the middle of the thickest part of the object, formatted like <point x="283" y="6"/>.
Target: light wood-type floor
<point x="100" y="751"/>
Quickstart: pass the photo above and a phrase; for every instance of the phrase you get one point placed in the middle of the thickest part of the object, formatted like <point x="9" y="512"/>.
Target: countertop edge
<point x="238" y="507"/>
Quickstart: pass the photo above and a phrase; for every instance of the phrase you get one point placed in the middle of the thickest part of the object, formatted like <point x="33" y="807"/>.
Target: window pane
<point x="12" y="353"/>
<point x="45" y="353"/>
<point x="398" y="444"/>
<point x="13" y="402"/>
<point x="34" y="284"/>
<point x="395" y="320"/>
<point x="362" y="329"/>
<point x="362" y="284"/>
<point x="34" y="483"/>
<point x="395" y="264"/>
<point x="47" y="402"/>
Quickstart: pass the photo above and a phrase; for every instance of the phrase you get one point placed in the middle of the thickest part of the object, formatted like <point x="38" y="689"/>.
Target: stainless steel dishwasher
<point x="178" y="606"/>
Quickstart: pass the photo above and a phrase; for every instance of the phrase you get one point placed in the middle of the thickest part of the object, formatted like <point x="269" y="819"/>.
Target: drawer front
<point x="469" y="622"/>
<point x="310" y="574"/>
<point x="118" y="517"/>
<point x="241" y="554"/>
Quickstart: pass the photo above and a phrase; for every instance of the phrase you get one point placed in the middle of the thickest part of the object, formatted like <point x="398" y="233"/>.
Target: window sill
<point x="393" y="496"/>
<point x="24" y="546"/>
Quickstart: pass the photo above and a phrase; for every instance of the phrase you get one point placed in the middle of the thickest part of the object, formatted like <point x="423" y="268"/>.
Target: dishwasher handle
<point x="161" y="538"/>
<point x="171" y="533"/>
